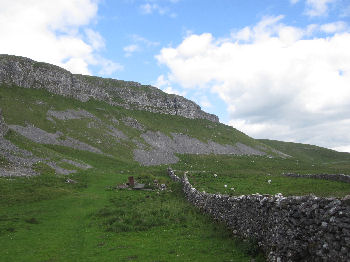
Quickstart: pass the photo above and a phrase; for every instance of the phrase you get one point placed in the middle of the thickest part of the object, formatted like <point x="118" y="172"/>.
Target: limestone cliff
<point x="27" y="73"/>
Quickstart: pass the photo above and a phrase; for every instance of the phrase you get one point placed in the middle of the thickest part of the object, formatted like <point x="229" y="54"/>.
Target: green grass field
<point x="248" y="175"/>
<point x="43" y="218"/>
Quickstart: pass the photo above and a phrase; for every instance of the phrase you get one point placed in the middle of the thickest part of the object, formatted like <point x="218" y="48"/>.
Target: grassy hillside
<point x="248" y="175"/>
<point x="21" y="106"/>
<point x="43" y="218"/>
<point x="308" y="152"/>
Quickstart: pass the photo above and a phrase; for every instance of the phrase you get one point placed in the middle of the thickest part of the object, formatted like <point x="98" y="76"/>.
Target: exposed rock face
<point x="42" y="137"/>
<point x="27" y="73"/>
<point x="3" y="126"/>
<point x="131" y="122"/>
<point x="116" y="133"/>
<point x="295" y="228"/>
<point x="20" y="160"/>
<point x="164" y="148"/>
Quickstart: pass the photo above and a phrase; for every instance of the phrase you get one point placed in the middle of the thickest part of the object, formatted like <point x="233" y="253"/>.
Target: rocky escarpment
<point x="27" y="73"/>
<point x="294" y="228"/>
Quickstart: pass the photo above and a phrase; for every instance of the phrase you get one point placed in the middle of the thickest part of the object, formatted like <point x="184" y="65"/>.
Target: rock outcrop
<point x="164" y="148"/>
<point x="27" y="73"/>
<point x="40" y="136"/>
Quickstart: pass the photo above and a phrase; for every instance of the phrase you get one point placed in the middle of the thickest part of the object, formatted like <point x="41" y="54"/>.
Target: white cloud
<point x="204" y="102"/>
<point x="277" y="82"/>
<point x="318" y="7"/>
<point x="139" y="44"/>
<point x="342" y="148"/>
<point x="144" y="41"/>
<point x="149" y="8"/>
<point x="54" y="32"/>
<point x="334" y="27"/>
<point x="130" y="49"/>
<point x="164" y="84"/>
<point x="94" y="39"/>
<point x="154" y="6"/>
<point x="161" y="81"/>
<point x="294" y="1"/>
<point x="108" y="67"/>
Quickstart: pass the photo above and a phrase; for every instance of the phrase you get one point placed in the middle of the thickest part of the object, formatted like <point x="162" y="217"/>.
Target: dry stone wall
<point x="295" y="228"/>
<point x="334" y="177"/>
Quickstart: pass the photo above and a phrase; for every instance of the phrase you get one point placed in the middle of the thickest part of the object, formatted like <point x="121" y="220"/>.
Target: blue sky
<point x="277" y="69"/>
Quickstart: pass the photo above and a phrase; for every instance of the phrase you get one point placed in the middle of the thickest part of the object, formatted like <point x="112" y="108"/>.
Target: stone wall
<point x="27" y="73"/>
<point x="334" y="177"/>
<point x="295" y="228"/>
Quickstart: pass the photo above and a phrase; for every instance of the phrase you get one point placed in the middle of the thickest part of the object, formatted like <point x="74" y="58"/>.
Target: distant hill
<point x="51" y="117"/>
<point x="307" y="152"/>
<point x="27" y="73"/>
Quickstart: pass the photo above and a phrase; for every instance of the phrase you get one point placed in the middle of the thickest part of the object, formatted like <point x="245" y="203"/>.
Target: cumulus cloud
<point x="55" y="32"/>
<point x="276" y="80"/>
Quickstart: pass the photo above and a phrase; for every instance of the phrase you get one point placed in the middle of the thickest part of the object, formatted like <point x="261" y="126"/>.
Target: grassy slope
<point x="249" y="175"/>
<point x="16" y="101"/>
<point x="308" y="152"/>
<point x="44" y="219"/>
<point x="71" y="223"/>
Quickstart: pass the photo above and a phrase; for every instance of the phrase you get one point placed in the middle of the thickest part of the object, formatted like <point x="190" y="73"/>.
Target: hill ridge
<point x="27" y="73"/>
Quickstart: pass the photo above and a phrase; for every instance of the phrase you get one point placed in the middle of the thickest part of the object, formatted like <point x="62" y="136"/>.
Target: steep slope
<point x="27" y="73"/>
<point x="48" y="119"/>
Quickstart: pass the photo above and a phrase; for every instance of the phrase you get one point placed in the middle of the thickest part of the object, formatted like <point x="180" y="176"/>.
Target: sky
<point x="275" y="69"/>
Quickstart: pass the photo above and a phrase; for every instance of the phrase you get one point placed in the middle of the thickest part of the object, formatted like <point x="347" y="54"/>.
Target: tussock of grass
<point x="139" y="212"/>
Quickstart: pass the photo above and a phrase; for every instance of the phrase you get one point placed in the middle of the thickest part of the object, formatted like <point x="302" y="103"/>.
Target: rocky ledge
<point x="27" y="73"/>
